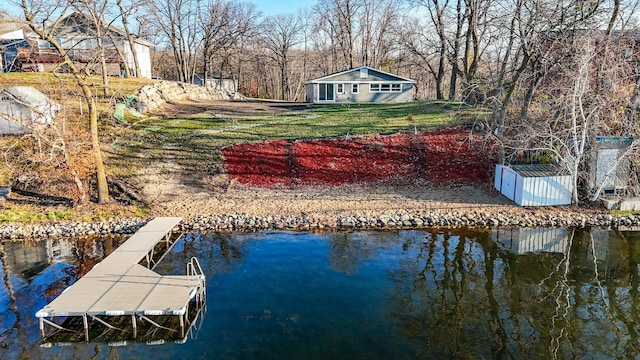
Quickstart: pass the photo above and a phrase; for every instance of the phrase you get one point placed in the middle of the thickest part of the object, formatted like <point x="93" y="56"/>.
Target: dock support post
<point x="41" y="326"/>
<point x="182" y="325"/>
<point x="86" y="327"/>
<point x="134" y="325"/>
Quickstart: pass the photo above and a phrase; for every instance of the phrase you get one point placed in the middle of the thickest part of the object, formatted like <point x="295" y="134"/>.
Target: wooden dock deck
<point x="121" y="286"/>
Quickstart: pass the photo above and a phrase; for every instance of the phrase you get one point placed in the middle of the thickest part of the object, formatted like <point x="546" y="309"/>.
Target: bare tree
<point x="340" y="16"/>
<point x="49" y="17"/>
<point x="417" y="40"/>
<point x="280" y="34"/>
<point x="533" y="39"/>
<point x="125" y="10"/>
<point x="224" y="24"/>
<point x="566" y="124"/>
<point x="95" y="12"/>
<point x="178" y="21"/>
<point x="437" y="10"/>
<point x="375" y="21"/>
<point x="567" y="135"/>
<point x="324" y="42"/>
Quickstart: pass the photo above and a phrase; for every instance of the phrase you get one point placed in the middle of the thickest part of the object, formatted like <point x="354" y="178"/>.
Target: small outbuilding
<point x="534" y="184"/>
<point x="609" y="168"/>
<point x="22" y="107"/>
<point x="217" y="83"/>
<point x="361" y="85"/>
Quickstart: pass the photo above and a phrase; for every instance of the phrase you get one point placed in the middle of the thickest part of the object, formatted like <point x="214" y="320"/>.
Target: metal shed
<point x="534" y="185"/>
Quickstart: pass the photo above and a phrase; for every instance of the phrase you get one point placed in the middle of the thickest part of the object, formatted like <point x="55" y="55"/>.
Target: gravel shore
<point x="330" y="208"/>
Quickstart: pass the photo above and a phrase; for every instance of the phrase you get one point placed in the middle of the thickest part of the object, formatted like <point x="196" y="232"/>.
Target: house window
<point x="385" y="87"/>
<point x="43" y="44"/>
<point x="340" y="88"/>
<point x="354" y="88"/>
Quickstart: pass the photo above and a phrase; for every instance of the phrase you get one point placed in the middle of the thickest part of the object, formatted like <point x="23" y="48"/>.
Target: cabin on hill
<point x="23" y="50"/>
<point x="363" y="84"/>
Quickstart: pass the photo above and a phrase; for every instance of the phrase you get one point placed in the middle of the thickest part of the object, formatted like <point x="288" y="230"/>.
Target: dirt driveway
<point x="237" y="109"/>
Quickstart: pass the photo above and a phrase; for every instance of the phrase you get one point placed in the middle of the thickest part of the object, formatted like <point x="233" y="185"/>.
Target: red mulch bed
<point x="445" y="156"/>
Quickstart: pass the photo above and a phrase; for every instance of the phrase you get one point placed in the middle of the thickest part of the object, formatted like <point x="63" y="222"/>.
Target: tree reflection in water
<point x="468" y="297"/>
<point x="508" y="293"/>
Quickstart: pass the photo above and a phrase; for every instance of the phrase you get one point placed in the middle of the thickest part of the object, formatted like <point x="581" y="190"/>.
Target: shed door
<point x="325" y="92"/>
<point x="508" y="183"/>
<point x="606" y="169"/>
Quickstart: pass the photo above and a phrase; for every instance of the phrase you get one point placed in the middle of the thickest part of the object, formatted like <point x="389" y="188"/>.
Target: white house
<point x="76" y="33"/>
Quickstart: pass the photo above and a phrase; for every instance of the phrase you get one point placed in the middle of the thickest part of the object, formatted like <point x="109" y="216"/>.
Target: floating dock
<point x="120" y="286"/>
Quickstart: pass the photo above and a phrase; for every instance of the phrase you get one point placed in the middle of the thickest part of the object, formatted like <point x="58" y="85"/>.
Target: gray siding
<point x="348" y="78"/>
<point x="355" y="76"/>
<point x="363" y="95"/>
<point x="310" y="90"/>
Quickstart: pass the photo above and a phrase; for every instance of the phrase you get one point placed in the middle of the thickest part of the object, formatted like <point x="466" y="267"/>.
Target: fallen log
<point x="51" y="199"/>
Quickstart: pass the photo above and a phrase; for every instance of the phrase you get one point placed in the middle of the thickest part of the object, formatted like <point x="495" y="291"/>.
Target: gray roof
<point x="538" y="170"/>
<point x="80" y="16"/>
<point x="353" y="75"/>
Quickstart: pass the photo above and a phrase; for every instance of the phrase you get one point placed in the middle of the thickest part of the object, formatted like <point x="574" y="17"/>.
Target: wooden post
<point x="41" y="326"/>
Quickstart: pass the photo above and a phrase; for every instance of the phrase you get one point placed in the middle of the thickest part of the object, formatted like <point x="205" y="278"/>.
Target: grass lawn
<point x="315" y="121"/>
<point x="193" y="135"/>
<point x="194" y="141"/>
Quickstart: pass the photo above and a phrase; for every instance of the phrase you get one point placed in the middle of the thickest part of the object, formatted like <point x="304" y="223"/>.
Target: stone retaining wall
<point x="152" y="96"/>
<point x="400" y="220"/>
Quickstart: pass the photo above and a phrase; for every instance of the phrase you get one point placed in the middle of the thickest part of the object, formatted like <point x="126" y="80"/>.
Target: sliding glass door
<point x="325" y="92"/>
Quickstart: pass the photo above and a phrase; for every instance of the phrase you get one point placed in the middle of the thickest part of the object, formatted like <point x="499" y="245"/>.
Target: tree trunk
<point x="124" y="14"/>
<point x="134" y="55"/>
<point x="103" y="65"/>
<point x="101" y="176"/>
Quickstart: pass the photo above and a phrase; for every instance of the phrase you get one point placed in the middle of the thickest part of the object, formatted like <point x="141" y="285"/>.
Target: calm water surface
<point x="549" y="293"/>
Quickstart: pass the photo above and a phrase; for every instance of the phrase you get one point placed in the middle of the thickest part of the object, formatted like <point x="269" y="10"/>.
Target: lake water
<point x="522" y="293"/>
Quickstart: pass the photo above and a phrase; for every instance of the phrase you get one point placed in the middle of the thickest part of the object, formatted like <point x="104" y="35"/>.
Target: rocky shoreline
<point x="398" y="220"/>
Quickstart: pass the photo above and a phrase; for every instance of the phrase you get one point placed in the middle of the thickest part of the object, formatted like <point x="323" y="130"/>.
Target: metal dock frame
<point x="120" y="286"/>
